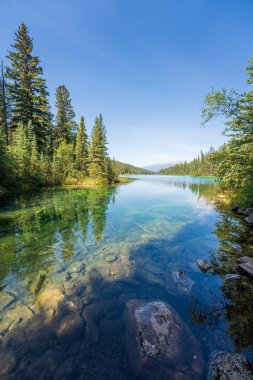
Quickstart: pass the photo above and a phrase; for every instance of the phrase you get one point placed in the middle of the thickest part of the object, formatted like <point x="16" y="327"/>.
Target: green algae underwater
<point x="71" y="259"/>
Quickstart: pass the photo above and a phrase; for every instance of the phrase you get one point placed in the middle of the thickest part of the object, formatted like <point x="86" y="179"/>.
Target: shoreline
<point x="85" y="184"/>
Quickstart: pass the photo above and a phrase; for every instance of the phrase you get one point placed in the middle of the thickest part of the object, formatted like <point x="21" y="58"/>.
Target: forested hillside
<point x="203" y="165"/>
<point x="122" y="168"/>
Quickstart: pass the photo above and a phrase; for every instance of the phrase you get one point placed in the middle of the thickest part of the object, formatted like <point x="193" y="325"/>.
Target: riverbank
<point x="70" y="183"/>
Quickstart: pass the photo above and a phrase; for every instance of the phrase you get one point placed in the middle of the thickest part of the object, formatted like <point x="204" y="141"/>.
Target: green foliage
<point x="81" y="148"/>
<point x="122" y="168"/>
<point x="65" y="119"/>
<point x="38" y="152"/>
<point x="25" y="158"/>
<point x="4" y="160"/>
<point x="4" y="106"/>
<point x="232" y="164"/>
<point x="203" y="165"/>
<point x="235" y="167"/>
<point x="27" y="88"/>
<point x="98" y="156"/>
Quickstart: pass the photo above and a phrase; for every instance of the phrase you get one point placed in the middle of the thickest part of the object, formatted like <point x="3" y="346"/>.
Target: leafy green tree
<point x="21" y="153"/>
<point x="45" y="164"/>
<point x="81" y="148"/>
<point x="63" y="161"/>
<point x="27" y="88"/>
<point x="65" y="124"/>
<point x="236" y="161"/>
<point x="35" y="170"/>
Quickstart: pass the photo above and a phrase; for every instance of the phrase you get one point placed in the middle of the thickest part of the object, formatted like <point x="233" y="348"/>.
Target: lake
<point x="71" y="260"/>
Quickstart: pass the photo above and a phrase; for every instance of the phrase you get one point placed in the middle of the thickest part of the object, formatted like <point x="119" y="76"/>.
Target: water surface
<point x="103" y="247"/>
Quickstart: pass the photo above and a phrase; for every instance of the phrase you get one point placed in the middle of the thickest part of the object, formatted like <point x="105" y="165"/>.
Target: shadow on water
<point x="71" y="326"/>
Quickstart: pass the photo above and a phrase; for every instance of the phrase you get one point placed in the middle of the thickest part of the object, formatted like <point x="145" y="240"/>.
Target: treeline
<point x="203" y="165"/>
<point x="232" y="164"/>
<point x="122" y="168"/>
<point x="37" y="148"/>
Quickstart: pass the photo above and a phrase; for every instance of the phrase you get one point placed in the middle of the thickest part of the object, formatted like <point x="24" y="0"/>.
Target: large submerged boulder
<point x="159" y="344"/>
<point x="226" y="366"/>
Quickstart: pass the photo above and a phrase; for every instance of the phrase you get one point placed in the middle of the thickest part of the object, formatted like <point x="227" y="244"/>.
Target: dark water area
<point x="71" y="260"/>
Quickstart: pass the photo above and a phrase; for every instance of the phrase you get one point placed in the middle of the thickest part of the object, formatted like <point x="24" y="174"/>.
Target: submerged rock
<point x="246" y="265"/>
<point x="226" y="366"/>
<point x="92" y="332"/>
<point x="204" y="265"/>
<point x="45" y="365"/>
<point x="70" y="328"/>
<point x="177" y="282"/>
<point x="232" y="277"/>
<point x="93" y="312"/>
<point x="6" y="299"/>
<point x="111" y="258"/>
<point x="50" y="298"/>
<point x="159" y="344"/>
<point x="67" y="370"/>
<point x="77" y="267"/>
<point x="37" y="283"/>
<point x="8" y="361"/>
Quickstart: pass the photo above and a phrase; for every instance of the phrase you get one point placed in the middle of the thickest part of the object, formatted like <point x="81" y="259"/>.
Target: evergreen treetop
<point x="65" y="124"/>
<point x="27" y="88"/>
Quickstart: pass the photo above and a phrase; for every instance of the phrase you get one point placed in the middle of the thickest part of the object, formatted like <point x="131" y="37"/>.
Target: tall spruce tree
<point x="98" y="150"/>
<point x="4" y="106"/>
<point x="27" y="88"/>
<point x="81" y="148"/>
<point x="65" y="124"/>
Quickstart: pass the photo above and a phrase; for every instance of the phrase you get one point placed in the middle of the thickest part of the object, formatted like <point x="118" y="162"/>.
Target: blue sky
<point x="145" y="65"/>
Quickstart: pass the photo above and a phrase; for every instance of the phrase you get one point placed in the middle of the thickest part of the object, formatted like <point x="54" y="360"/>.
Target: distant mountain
<point x="158" y="167"/>
<point x="123" y="168"/>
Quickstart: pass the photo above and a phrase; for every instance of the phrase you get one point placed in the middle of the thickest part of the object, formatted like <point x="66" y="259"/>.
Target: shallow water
<point x="98" y="249"/>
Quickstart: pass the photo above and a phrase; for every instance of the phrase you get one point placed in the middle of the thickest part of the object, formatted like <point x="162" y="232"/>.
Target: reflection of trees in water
<point x="32" y="228"/>
<point x="98" y="202"/>
<point x="236" y="240"/>
<point x="238" y="312"/>
<point x="207" y="191"/>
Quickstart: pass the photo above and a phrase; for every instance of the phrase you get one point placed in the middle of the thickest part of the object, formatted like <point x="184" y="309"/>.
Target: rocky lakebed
<point x="135" y="299"/>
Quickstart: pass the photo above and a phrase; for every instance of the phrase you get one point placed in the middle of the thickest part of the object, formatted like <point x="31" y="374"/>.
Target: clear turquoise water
<point x="124" y="239"/>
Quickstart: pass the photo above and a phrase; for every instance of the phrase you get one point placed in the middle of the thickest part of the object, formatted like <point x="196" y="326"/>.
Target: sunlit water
<point x="101" y="248"/>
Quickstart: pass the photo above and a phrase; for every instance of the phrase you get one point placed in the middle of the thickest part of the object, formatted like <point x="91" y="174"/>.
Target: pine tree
<point x="65" y="124"/>
<point x="4" y="106"/>
<point x="27" y="88"/>
<point x="81" y="148"/>
<point x="98" y="150"/>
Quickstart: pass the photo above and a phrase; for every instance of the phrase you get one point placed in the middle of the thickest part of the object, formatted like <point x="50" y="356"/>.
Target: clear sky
<point x="146" y="65"/>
